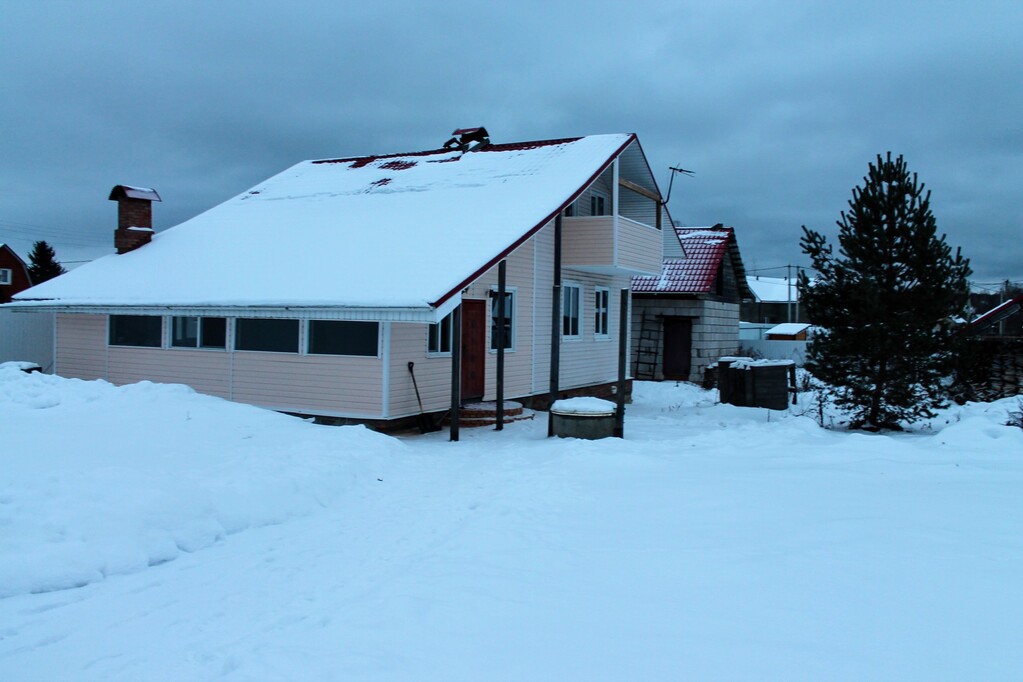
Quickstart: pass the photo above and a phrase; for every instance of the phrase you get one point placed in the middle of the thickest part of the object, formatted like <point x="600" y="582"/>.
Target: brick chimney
<point x="134" y="216"/>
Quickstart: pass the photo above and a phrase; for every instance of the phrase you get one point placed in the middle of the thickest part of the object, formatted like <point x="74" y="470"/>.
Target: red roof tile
<point x="695" y="274"/>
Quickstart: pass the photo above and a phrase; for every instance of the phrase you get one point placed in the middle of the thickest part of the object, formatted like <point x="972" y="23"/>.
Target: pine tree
<point x="885" y="302"/>
<point x="43" y="263"/>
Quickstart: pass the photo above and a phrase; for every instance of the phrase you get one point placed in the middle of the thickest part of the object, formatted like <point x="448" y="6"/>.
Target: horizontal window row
<point x="323" y="337"/>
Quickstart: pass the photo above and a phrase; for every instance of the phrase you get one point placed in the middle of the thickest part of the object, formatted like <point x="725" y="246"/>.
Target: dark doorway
<point x="678" y="347"/>
<point x="474" y="348"/>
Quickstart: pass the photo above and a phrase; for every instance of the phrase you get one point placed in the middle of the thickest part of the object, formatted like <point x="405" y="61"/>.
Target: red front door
<point x="474" y="349"/>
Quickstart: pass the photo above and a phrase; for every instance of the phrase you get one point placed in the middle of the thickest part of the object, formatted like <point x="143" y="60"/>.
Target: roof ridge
<point x="498" y="147"/>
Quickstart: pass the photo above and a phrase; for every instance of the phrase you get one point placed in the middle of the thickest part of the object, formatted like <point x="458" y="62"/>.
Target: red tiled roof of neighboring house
<point x="705" y="248"/>
<point x="998" y="313"/>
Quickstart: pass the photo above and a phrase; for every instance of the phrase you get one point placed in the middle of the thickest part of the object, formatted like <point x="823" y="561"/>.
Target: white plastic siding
<point x="433" y="373"/>
<point x="205" y="371"/>
<point x="27" y="337"/>
<point x="587" y="241"/>
<point x="81" y="346"/>
<point x="311" y="384"/>
<point x="588" y="359"/>
<point x="639" y="247"/>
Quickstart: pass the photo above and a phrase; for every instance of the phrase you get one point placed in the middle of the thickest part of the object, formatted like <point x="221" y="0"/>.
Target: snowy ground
<point x="147" y="532"/>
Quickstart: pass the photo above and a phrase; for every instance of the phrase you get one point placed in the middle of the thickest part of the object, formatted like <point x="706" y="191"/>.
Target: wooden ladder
<point x="648" y="349"/>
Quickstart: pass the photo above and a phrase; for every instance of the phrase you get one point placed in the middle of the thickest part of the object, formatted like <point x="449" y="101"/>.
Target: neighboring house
<point x="775" y="300"/>
<point x="687" y="317"/>
<point x="14" y="277"/>
<point x="312" y="292"/>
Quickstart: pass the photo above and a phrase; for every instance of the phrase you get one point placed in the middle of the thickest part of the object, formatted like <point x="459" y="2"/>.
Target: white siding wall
<point x="586" y="360"/>
<point x="639" y="247"/>
<point x="433" y="374"/>
<point x="587" y="241"/>
<point x="28" y="337"/>
<point x="313" y="384"/>
<point x="81" y="346"/>
<point x="589" y="359"/>
<point x="205" y="371"/>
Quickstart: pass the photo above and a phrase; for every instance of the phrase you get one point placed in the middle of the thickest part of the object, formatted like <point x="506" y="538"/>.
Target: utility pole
<point x="788" y="287"/>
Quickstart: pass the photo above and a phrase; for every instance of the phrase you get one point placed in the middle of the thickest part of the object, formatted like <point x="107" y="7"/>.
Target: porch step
<point x="485" y="414"/>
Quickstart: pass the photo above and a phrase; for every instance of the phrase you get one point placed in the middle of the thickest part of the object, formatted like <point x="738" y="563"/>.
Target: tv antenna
<point x="676" y="170"/>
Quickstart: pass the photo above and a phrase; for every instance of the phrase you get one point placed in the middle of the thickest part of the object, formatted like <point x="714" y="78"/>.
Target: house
<point x="687" y="317"/>
<point x="775" y="300"/>
<point x="323" y="289"/>
<point x="14" y="277"/>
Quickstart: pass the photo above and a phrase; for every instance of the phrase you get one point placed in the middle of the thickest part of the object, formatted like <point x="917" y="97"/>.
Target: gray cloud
<point x="778" y="107"/>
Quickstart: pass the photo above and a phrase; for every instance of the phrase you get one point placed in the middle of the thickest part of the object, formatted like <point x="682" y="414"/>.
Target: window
<point x="5" y="275"/>
<point x="439" y="340"/>
<point x="602" y="298"/>
<point x="327" y="337"/>
<point x="509" y="320"/>
<point x="570" y="310"/>
<point x="570" y="210"/>
<point x="199" y="332"/>
<point x="136" y="330"/>
<point x="598" y="203"/>
<point x="279" y="336"/>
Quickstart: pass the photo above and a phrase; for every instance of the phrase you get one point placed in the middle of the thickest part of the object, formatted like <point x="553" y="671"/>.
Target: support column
<point x="623" y="351"/>
<point x="456" y="370"/>
<point x="555" y="325"/>
<point x="501" y="290"/>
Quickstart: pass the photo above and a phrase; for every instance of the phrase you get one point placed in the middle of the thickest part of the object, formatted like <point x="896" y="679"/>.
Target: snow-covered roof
<point x="395" y="231"/>
<point x="773" y="289"/>
<point x="788" y="328"/>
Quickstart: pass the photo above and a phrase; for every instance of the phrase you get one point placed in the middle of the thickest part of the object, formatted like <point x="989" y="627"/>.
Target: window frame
<point x="604" y="203"/>
<point x="6" y="276"/>
<point x="513" y="294"/>
<point x="308" y="345"/>
<point x="238" y="325"/>
<point x="159" y="339"/>
<point x="199" y="333"/>
<point x="597" y="310"/>
<point x="447" y="321"/>
<point x="565" y="315"/>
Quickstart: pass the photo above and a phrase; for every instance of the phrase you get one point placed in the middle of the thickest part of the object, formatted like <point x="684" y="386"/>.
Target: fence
<point x="27" y="336"/>
<point x="774" y="350"/>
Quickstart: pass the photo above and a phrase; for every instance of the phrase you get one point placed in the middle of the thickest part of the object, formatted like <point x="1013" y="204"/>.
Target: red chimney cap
<point x="128" y="192"/>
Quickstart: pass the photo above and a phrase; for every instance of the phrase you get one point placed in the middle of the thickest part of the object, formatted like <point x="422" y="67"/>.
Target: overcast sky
<point x="777" y="107"/>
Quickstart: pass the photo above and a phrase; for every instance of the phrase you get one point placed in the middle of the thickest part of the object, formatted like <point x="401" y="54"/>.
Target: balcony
<point x="611" y="245"/>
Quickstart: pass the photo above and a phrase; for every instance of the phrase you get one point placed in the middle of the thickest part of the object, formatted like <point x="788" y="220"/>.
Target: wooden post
<point x="456" y="369"/>
<point x="555" y="325"/>
<point x="500" y="343"/>
<point x="623" y="351"/>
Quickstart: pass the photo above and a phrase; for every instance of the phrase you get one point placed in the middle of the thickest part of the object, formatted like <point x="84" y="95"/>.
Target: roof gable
<point x="396" y="230"/>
